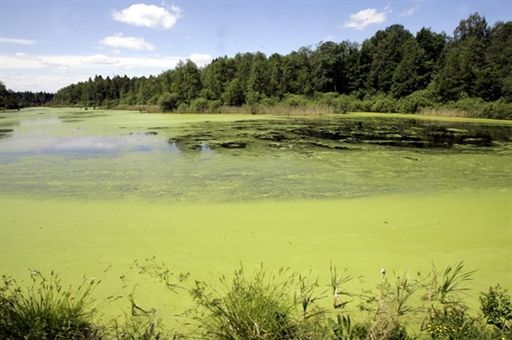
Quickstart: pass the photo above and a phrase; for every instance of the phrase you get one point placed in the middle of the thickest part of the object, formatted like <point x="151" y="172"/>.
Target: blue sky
<point x="45" y="45"/>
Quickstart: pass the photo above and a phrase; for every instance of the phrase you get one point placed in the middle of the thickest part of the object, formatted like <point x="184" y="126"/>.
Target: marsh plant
<point x="259" y="306"/>
<point x="496" y="307"/>
<point x="47" y="309"/>
<point x="263" y="305"/>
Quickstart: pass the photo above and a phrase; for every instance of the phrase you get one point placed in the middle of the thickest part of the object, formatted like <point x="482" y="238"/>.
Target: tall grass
<point x="265" y="305"/>
<point x="47" y="309"/>
<point x="257" y="307"/>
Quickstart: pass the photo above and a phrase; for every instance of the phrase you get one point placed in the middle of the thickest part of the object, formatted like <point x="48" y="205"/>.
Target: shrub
<point x="415" y="101"/>
<point x="384" y="104"/>
<point x="499" y="109"/>
<point x="168" y="101"/>
<point x="214" y="106"/>
<point x="344" y="104"/>
<point x="269" y="101"/>
<point x="472" y="106"/>
<point x="256" y="308"/>
<point x="183" y="108"/>
<point x="199" y="105"/>
<point x="47" y="310"/>
<point x="294" y="100"/>
<point x="497" y="308"/>
<point x="453" y="322"/>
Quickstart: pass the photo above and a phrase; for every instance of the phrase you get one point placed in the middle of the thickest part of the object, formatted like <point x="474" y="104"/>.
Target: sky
<point x="46" y="44"/>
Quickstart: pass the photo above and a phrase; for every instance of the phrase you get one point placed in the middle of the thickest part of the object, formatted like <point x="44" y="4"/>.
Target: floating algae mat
<point x="81" y="191"/>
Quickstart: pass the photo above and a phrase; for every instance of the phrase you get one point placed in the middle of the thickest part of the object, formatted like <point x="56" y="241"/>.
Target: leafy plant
<point x="496" y="306"/>
<point x="47" y="309"/>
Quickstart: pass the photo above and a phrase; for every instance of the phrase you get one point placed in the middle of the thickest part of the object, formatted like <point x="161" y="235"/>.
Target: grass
<point x="265" y="305"/>
<point x="47" y="309"/>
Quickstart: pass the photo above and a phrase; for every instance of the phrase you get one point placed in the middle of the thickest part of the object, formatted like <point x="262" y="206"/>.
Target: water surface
<point x="81" y="191"/>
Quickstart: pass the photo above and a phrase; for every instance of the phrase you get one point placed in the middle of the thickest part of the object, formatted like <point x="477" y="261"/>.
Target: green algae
<point x="81" y="191"/>
<point x="219" y="158"/>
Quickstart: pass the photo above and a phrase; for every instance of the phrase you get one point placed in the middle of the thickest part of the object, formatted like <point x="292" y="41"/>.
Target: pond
<point x="85" y="190"/>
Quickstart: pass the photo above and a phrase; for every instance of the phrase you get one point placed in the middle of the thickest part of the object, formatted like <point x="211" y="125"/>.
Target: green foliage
<point x="47" y="309"/>
<point x="168" y="101"/>
<point x="234" y="93"/>
<point x="138" y="328"/>
<point x="258" y="307"/>
<point x="496" y="306"/>
<point x="199" y="105"/>
<point x="214" y="106"/>
<point x="263" y="306"/>
<point x="343" y="328"/>
<point x="429" y="70"/>
<point x="446" y="314"/>
<point x="17" y="100"/>
<point x="383" y="104"/>
<point x="416" y="101"/>
<point x="500" y="109"/>
<point x="472" y="106"/>
<point x="292" y="100"/>
<point x="186" y="81"/>
<point x="453" y="322"/>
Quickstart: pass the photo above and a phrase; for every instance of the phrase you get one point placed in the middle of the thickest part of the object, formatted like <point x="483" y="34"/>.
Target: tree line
<point x="16" y="100"/>
<point x="394" y="70"/>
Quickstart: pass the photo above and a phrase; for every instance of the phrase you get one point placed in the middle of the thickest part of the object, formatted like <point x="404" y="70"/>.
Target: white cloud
<point x="48" y="83"/>
<point x="23" y="72"/>
<point x="200" y="59"/>
<point x="12" y="62"/>
<point x="365" y="17"/>
<point x="151" y="16"/>
<point x="132" y="43"/>
<point x="4" y="40"/>
<point x="410" y="11"/>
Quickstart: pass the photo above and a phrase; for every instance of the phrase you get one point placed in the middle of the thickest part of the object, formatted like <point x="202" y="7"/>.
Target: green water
<point x="81" y="191"/>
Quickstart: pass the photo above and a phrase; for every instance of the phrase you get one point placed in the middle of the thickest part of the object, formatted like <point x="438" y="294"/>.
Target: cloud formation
<point x="151" y="16"/>
<point x="132" y="43"/>
<point x="364" y="18"/>
<point x="25" y="72"/>
<point x="4" y="40"/>
<point x="410" y="11"/>
<point x="23" y="61"/>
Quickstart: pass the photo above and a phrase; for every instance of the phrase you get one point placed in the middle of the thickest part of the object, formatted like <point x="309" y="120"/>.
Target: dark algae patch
<point x="5" y="132"/>
<point x="342" y="134"/>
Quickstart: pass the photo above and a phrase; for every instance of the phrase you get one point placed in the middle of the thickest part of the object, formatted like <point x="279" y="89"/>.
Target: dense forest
<point x="393" y="71"/>
<point x="17" y="100"/>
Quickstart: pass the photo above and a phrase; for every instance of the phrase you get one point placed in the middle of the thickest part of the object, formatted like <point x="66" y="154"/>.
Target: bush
<point x="47" y="310"/>
<point x="199" y="105"/>
<point x="294" y="100"/>
<point x="453" y="322"/>
<point x="255" y="308"/>
<point x="497" y="308"/>
<point x="214" y="106"/>
<point x="183" y="108"/>
<point x="471" y="106"/>
<point x="344" y="104"/>
<point x="499" y="109"/>
<point x="168" y="101"/>
<point x="384" y="104"/>
<point x="415" y="102"/>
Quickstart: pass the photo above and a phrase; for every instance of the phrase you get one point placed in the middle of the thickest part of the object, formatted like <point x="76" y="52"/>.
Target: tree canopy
<point x="473" y="62"/>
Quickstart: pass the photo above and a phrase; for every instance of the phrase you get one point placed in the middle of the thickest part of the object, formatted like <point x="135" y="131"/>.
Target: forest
<point x="17" y="100"/>
<point x="393" y="71"/>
